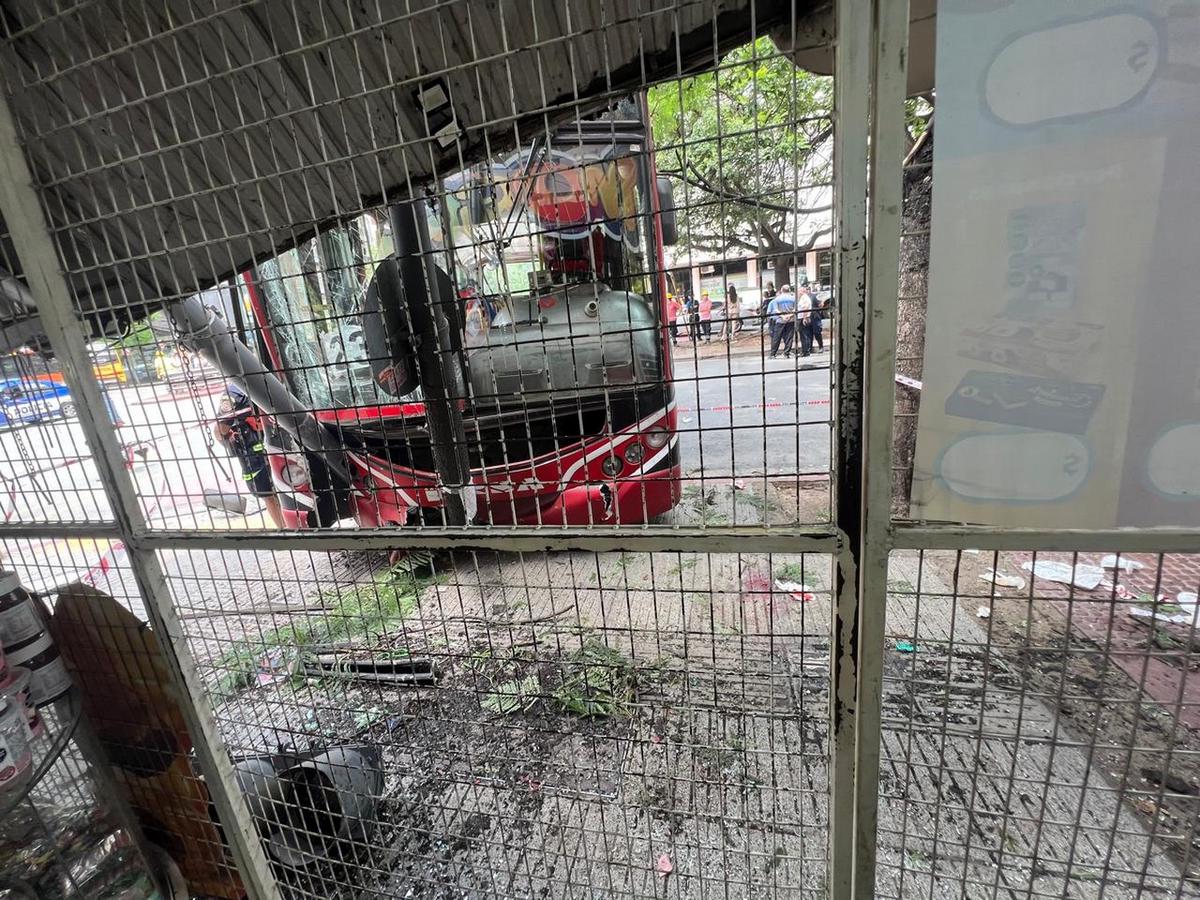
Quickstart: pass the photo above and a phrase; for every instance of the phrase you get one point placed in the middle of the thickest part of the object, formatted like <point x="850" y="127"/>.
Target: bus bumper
<point x="613" y="503"/>
<point x="628" y="502"/>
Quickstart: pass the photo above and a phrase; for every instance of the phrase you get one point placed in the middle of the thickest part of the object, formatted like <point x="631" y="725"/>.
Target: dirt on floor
<point x="632" y="724"/>
<point x="1095" y="677"/>
<point x="611" y="724"/>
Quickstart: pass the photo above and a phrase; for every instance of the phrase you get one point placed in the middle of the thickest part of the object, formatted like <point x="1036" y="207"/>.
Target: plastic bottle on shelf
<point x="15" y="689"/>
<point x="19" y="619"/>
<point x="48" y="676"/>
<point x="16" y="754"/>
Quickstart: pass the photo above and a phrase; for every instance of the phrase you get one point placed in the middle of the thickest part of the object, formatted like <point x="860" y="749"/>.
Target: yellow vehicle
<point x="107" y="365"/>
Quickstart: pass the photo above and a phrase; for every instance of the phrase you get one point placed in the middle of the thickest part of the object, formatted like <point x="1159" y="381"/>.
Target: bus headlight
<point x="611" y="467"/>
<point x="634" y="453"/>
<point x="656" y="438"/>
<point x="294" y="472"/>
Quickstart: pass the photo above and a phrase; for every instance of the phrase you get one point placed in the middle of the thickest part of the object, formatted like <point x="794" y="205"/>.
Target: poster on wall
<point x="1062" y="367"/>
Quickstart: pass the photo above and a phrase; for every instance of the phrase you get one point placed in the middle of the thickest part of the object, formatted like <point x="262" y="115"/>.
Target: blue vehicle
<point x="24" y="401"/>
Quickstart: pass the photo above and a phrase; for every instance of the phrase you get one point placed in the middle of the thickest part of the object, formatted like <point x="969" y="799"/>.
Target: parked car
<point x="107" y="365"/>
<point x="749" y="301"/>
<point x="23" y="401"/>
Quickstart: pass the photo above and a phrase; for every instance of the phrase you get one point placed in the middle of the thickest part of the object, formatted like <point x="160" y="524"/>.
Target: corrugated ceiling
<point x="176" y="142"/>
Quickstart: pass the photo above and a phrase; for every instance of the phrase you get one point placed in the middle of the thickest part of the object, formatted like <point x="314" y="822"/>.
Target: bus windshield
<point x="542" y="219"/>
<point x="313" y="298"/>
<point x="568" y="214"/>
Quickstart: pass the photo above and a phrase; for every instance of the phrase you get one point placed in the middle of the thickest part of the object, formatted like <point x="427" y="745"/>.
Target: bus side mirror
<point x="387" y="329"/>
<point x="666" y="211"/>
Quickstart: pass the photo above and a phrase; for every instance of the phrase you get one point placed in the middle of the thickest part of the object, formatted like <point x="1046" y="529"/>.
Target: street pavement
<point x="748" y="414"/>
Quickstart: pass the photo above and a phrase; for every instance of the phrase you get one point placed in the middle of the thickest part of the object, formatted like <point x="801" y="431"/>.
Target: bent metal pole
<point x="201" y="329"/>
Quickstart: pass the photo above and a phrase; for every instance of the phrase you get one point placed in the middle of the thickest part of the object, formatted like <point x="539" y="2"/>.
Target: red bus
<point x="554" y="254"/>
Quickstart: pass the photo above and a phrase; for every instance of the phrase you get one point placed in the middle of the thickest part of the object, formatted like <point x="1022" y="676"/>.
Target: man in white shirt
<point x="804" y="306"/>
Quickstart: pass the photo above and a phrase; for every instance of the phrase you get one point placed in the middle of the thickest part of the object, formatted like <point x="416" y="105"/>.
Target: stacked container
<point x="32" y="672"/>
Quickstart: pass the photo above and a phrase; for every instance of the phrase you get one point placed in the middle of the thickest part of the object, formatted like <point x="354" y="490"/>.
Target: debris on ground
<point x="984" y="612"/>
<point x="513" y="696"/>
<point x="797" y="589"/>
<point x="402" y="670"/>
<point x="597" y="681"/>
<point x="276" y="665"/>
<point x="1116" y="561"/>
<point x="664" y="867"/>
<point x="1016" y="582"/>
<point x="1160" y="609"/>
<point x="1141" y="612"/>
<point x="225" y="501"/>
<point x="1081" y="575"/>
<point x="1172" y="783"/>
<point x="906" y="646"/>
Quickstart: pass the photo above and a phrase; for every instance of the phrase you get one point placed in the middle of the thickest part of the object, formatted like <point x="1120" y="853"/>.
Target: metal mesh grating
<point x="427" y="398"/>
<point x="1033" y="736"/>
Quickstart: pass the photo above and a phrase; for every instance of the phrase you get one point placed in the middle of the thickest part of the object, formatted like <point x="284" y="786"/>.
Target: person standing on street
<point x="692" y="310"/>
<point x="673" y="307"/>
<point x="804" y="311"/>
<point x="818" y="316"/>
<point x="815" y="323"/>
<point x="768" y="295"/>
<point x="733" y="312"/>
<point x="705" y="313"/>
<point x="782" y="315"/>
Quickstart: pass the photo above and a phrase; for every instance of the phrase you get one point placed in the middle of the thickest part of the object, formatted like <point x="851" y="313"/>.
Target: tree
<point x="748" y="148"/>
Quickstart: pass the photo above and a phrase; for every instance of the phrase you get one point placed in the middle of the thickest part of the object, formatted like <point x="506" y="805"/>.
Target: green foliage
<point x="792" y="571"/>
<point x="741" y="143"/>
<point x="369" y="717"/>
<point x="598" y="681"/>
<point x="918" y="112"/>
<point x="143" y="334"/>
<point x="755" y="500"/>
<point x="359" y="613"/>
<point x="512" y="696"/>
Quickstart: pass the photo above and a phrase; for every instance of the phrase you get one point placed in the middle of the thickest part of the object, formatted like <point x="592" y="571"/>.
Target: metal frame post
<point x="885" y="193"/>
<point x="851" y="89"/>
<point x="34" y="244"/>
<point x="436" y="361"/>
<point x="921" y="536"/>
<point x="870" y="56"/>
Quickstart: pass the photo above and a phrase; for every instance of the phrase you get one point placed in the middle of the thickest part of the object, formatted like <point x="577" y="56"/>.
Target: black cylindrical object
<point x="308" y="804"/>
<point x="437" y="362"/>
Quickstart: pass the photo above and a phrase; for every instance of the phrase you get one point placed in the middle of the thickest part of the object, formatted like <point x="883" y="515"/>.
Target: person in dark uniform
<point x="692" y="306"/>
<point x="239" y="429"/>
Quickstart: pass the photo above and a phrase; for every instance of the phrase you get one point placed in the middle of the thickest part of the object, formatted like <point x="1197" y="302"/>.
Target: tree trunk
<point x="783" y="269"/>
<point x="910" y="332"/>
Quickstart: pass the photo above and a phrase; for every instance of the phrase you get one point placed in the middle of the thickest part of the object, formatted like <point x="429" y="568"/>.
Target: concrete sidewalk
<point x="984" y="790"/>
